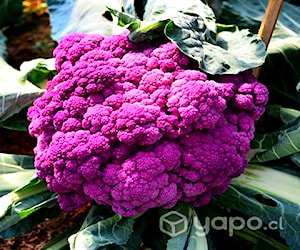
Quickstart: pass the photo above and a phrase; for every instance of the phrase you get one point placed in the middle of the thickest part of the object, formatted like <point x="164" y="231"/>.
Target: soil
<point x="25" y="41"/>
<point x="46" y="231"/>
<point x="16" y="142"/>
<point x="29" y="40"/>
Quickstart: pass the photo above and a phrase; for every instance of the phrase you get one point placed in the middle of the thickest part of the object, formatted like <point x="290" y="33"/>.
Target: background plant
<point x="274" y="157"/>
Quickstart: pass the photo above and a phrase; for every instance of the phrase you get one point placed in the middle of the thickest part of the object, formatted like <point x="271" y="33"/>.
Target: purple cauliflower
<point x="138" y="126"/>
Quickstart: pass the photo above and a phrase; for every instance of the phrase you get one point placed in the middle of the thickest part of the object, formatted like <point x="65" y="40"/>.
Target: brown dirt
<point x="44" y="232"/>
<point x="29" y="40"/>
<point x="16" y="142"/>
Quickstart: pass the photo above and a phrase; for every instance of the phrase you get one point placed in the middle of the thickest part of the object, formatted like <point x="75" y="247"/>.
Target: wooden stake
<point x="268" y="24"/>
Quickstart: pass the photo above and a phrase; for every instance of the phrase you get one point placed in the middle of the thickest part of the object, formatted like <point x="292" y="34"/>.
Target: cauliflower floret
<point x="135" y="126"/>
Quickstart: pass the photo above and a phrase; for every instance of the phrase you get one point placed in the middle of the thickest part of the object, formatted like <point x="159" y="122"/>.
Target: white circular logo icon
<point x="173" y="223"/>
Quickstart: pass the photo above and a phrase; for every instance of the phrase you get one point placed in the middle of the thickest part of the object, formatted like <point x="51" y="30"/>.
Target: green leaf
<point x="35" y="185"/>
<point x="68" y="16"/>
<point x="25" y="225"/>
<point x="181" y="223"/>
<point x="135" y="239"/>
<point x="11" y="181"/>
<point x="191" y="26"/>
<point x="296" y="159"/>
<point x="10" y="163"/>
<point x="270" y="195"/>
<point x="113" y="230"/>
<point x="177" y="223"/>
<point x="189" y="33"/>
<point x="261" y="241"/>
<point x="123" y="18"/>
<point x="289" y="115"/>
<point x="164" y="9"/>
<point x="231" y="53"/>
<point x="286" y="115"/>
<point x="248" y="14"/>
<point x="278" y="144"/>
<point x="6" y="204"/>
<point x="100" y="213"/>
<point x="226" y="27"/>
<point x="231" y="226"/>
<point x="14" y="94"/>
<point x="34" y="203"/>
<point x="147" y="30"/>
<point x="15" y="171"/>
<point x="32" y="187"/>
<point x="153" y="237"/>
<point x="3" y="39"/>
<point x="23" y="202"/>
<point x="27" y="207"/>
<point x="268" y="180"/>
<point x="159" y="13"/>
<point x="11" y="12"/>
<point x="128" y="6"/>
<point x="193" y="239"/>
<point x="274" y="119"/>
<point x="38" y="71"/>
<point x="17" y="121"/>
<point x="242" y="50"/>
<point x="281" y="70"/>
<point x="197" y="237"/>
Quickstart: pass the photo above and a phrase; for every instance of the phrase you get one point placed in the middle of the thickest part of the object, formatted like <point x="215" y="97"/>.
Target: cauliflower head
<point x="138" y="126"/>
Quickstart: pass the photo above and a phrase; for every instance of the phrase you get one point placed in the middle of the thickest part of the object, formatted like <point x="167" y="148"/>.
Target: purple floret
<point x="198" y="104"/>
<point x="209" y="159"/>
<point x="135" y="126"/>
